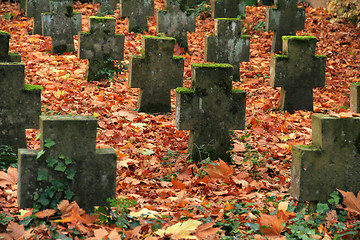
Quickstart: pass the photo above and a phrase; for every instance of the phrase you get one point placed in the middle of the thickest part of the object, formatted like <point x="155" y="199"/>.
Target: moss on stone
<point x="355" y="83"/>
<point x="178" y="57"/>
<point x="162" y="38"/>
<point x="320" y="56"/>
<point x="238" y="90"/>
<point x="101" y="19"/>
<point x="300" y="38"/>
<point x="31" y="87"/>
<point x="212" y="65"/>
<point x="82" y="32"/>
<point x="229" y="19"/>
<point x="245" y="36"/>
<point x="309" y="147"/>
<point x="13" y="54"/>
<point x="3" y="32"/>
<point x="281" y="56"/>
<point x="181" y="90"/>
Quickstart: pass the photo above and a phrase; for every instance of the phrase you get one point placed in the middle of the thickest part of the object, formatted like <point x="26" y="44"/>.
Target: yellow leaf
<point x="145" y="213"/>
<point x="183" y="230"/>
<point x="96" y="114"/>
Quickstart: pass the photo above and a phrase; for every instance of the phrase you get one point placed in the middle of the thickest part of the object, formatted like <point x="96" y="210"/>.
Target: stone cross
<point x="228" y="45"/>
<point x="20" y="105"/>
<point x="22" y="5"/>
<point x="332" y="162"/>
<point x="5" y="56"/>
<point x="176" y="21"/>
<point x="228" y="8"/>
<point x="209" y="110"/>
<point x="285" y="19"/>
<point x="355" y="97"/>
<point x="61" y="24"/>
<point x="137" y="12"/>
<point x="34" y="9"/>
<point x="107" y="6"/>
<point x="101" y="46"/>
<point x="297" y="72"/>
<point x="156" y="72"/>
<point x="71" y="162"/>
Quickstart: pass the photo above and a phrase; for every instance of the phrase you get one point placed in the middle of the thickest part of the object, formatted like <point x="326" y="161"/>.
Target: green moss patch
<point x="238" y="90"/>
<point x="178" y="57"/>
<point x="3" y="32"/>
<point x="356" y="83"/>
<point x="320" y="56"/>
<point x="229" y="19"/>
<point x="160" y="38"/>
<point x="299" y="38"/>
<point x="101" y="19"/>
<point x="181" y="90"/>
<point x="212" y="65"/>
<point x="30" y="87"/>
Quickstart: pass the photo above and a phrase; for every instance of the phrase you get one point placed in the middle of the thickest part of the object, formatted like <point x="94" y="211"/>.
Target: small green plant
<point x="259" y="27"/>
<point x="109" y="75"/>
<point x="203" y="10"/>
<point x="8" y="157"/>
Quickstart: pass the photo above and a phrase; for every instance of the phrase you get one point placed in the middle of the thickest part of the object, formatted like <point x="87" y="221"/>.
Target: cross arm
<point x="300" y="18"/>
<point x="135" y="75"/>
<point x="272" y="19"/>
<point x="278" y="70"/>
<point x="237" y="109"/>
<point x="185" y="104"/>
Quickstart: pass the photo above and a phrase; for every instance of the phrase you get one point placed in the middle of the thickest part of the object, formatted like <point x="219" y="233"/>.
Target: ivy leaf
<point x="40" y="154"/>
<point x="60" y="167"/>
<point x="70" y="173"/>
<point x="68" y="161"/>
<point x="42" y="175"/>
<point x="49" y="143"/>
<point x="69" y="194"/>
<point x="43" y="200"/>
<point x="62" y="156"/>
<point x="51" y="162"/>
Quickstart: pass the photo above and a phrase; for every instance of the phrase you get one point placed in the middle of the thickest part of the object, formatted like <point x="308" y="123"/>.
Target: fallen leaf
<point x="271" y="225"/>
<point x="183" y="230"/>
<point x="9" y="177"/>
<point x="205" y="230"/>
<point x="351" y="202"/>
<point x="222" y="170"/>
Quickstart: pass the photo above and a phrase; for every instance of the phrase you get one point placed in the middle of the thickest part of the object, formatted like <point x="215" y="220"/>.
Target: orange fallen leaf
<point x="351" y="202"/>
<point x="9" y="177"/>
<point x="205" y="230"/>
<point x="45" y="213"/>
<point x="177" y="184"/>
<point x="271" y="225"/>
<point x="220" y="171"/>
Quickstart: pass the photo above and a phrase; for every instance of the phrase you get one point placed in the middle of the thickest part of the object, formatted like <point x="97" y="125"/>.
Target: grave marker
<point x="5" y="56"/>
<point x="284" y="19"/>
<point x="176" y="20"/>
<point x="228" y="45"/>
<point x="332" y="162"/>
<point x="156" y="72"/>
<point x="228" y="8"/>
<point x="61" y="24"/>
<point x="101" y="46"/>
<point x="297" y="72"/>
<point x="93" y="171"/>
<point x="107" y="6"/>
<point x="20" y="105"/>
<point x="355" y="97"/>
<point x="209" y="110"/>
<point x="34" y="9"/>
<point x="137" y="12"/>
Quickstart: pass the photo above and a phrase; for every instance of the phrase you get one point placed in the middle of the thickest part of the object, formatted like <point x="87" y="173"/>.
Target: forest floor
<point x="152" y="166"/>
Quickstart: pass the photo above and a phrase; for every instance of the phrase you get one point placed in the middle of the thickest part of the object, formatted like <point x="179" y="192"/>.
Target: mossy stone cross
<point x="156" y="72"/>
<point x="228" y="45"/>
<point x="228" y="8"/>
<point x="137" y="12"/>
<point x="297" y="72"/>
<point x="209" y="110"/>
<point x="34" y="9"/>
<point x="5" y="56"/>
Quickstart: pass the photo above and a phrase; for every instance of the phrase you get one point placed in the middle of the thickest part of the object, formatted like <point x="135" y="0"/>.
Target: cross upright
<point x="67" y="157"/>
<point x="331" y="162"/>
<point x="228" y="45"/>
<point x="355" y="97"/>
<point x="285" y="19"/>
<point x="209" y="110"/>
<point x="61" y="24"/>
<point x="20" y="105"/>
<point x="228" y="8"/>
<point x="34" y="9"/>
<point x="5" y="56"/>
<point x="156" y="72"/>
<point x="137" y="12"/>
<point x="176" y="20"/>
<point x="101" y="46"/>
<point x="107" y="6"/>
<point x="297" y="72"/>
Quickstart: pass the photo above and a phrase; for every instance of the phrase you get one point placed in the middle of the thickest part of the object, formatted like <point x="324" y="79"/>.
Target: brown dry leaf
<point x="100" y="233"/>
<point x="66" y="208"/>
<point x="220" y="171"/>
<point x="351" y="202"/>
<point x="177" y="184"/>
<point x="45" y="213"/>
<point x="205" y="230"/>
<point x="16" y="231"/>
<point x="9" y="177"/>
<point x="272" y="223"/>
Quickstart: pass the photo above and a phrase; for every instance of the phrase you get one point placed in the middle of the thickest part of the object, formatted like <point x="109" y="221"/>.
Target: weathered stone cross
<point x="72" y="164"/>
<point x="284" y="19"/>
<point x="228" y="8"/>
<point x="209" y="110"/>
<point x="297" y="72"/>
<point x="101" y="46"/>
<point x="156" y="72"/>
<point x="176" y="21"/>
<point x="20" y="105"/>
<point x="107" y="6"/>
<point x="61" y="24"/>
<point x="228" y="45"/>
<point x="34" y="9"/>
<point x="137" y="12"/>
<point x="5" y="56"/>
<point x="332" y="162"/>
<point x="355" y="97"/>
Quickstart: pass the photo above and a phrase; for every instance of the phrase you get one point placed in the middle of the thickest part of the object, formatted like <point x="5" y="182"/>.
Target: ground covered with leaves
<point x="161" y="194"/>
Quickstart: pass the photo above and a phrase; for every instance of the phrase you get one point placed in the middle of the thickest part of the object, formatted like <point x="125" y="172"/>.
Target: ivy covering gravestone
<point x="355" y="97"/>
<point x="156" y="72"/>
<point x="20" y="105"/>
<point x="137" y="12"/>
<point x="106" y="6"/>
<point x="297" y="71"/>
<point x="209" y="110"/>
<point x="176" y="20"/>
<point x="284" y="20"/>
<point x="34" y="9"/>
<point x="67" y="166"/>
<point x="5" y="55"/>
<point x="101" y="46"/>
<point x="228" y="45"/>
<point x="61" y="24"/>
<point x="332" y="161"/>
<point x="228" y="8"/>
